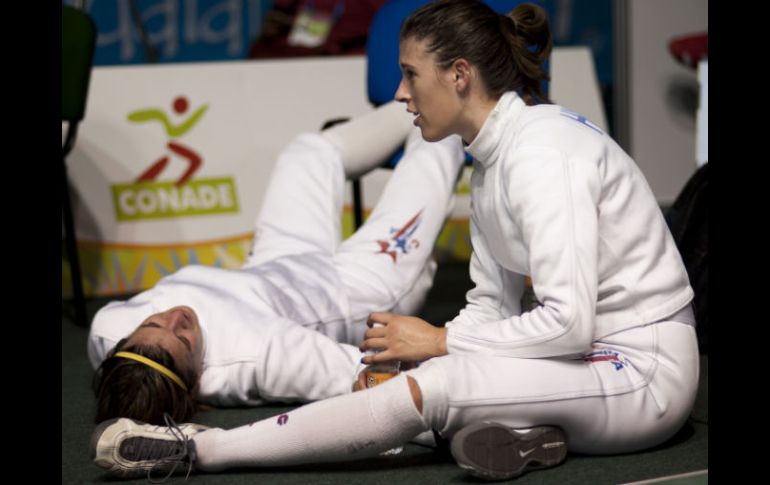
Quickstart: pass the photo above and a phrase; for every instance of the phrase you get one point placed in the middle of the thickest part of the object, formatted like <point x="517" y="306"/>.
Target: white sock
<point x="366" y="141"/>
<point x="347" y="427"/>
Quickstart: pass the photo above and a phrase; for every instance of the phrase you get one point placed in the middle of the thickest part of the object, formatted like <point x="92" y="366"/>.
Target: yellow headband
<point x="151" y="363"/>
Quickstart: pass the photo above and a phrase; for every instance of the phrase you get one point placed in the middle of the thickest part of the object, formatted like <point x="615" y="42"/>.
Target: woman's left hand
<point x="403" y="338"/>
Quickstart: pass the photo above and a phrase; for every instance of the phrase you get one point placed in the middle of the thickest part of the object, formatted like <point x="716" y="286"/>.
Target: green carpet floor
<point x="685" y="452"/>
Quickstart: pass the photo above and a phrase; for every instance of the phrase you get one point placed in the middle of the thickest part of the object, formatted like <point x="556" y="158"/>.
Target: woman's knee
<point x="429" y="388"/>
<point x="414" y="388"/>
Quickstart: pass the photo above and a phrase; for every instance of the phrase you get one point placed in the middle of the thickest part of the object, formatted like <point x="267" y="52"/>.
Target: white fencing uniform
<point x="610" y="354"/>
<point x="279" y="328"/>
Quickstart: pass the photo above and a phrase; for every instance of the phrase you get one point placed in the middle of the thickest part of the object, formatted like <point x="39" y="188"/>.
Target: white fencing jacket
<point x="270" y="333"/>
<point x="555" y="198"/>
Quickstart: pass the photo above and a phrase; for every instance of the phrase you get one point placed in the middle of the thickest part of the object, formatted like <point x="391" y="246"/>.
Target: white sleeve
<point x="97" y="349"/>
<point x="113" y="322"/>
<point x="484" y="304"/>
<point x="305" y="365"/>
<point x="553" y="200"/>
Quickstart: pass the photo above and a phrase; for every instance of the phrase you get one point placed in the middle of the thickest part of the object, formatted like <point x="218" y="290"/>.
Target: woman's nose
<point x="402" y="93"/>
<point x="176" y="320"/>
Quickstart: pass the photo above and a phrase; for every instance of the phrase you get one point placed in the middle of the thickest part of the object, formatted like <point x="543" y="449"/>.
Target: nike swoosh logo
<point x="525" y="453"/>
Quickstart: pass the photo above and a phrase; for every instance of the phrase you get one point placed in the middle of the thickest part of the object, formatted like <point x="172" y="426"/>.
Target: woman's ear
<point x="461" y="74"/>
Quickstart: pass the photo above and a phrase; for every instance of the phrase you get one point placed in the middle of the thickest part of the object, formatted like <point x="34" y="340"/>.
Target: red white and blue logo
<point x="401" y="241"/>
<point x="607" y="356"/>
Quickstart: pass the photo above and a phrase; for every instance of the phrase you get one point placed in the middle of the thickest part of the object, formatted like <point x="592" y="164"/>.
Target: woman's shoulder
<point x="552" y="125"/>
<point x="556" y="117"/>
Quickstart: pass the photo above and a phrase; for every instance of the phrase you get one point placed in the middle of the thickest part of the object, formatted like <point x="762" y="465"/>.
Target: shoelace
<point x="186" y="454"/>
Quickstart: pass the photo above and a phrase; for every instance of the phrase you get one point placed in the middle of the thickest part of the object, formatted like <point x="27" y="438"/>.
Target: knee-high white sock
<point x="366" y="142"/>
<point x="346" y="427"/>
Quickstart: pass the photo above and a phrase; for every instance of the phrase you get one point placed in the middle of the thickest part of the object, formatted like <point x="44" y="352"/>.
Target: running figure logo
<point x="182" y="193"/>
<point x="194" y="160"/>
<point x="399" y="240"/>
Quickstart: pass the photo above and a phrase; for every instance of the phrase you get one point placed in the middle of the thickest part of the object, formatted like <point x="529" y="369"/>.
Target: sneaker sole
<point x="495" y="452"/>
<point x="97" y="434"/>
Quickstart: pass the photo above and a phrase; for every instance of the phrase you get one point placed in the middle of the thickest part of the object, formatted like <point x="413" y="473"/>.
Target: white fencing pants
<point x="633" y="391"/>
<point x="386" y="265"/>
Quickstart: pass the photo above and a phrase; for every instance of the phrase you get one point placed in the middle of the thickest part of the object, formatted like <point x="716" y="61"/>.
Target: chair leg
<point x="72" y="252"/>
<point x="358" y="206"/>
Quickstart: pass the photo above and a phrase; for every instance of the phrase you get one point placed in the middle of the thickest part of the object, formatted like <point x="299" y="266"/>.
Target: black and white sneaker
<point x="495" y="452"/>
<point x="129" y="448"/>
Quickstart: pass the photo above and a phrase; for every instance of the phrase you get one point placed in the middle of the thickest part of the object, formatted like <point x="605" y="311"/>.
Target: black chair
<point x="78" y="35"/>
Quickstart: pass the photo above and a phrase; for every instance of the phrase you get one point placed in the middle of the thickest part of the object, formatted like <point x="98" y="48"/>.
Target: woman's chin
<point x="429" y="135"/>
<point x="432" y="136"/>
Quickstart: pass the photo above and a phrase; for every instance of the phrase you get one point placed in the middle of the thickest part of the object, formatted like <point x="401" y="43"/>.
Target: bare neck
<point x="475" y="112"/>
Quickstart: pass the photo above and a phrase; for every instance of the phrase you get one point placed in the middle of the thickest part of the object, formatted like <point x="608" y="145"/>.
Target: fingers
<point x="376" y="332"/>
<point x="379" y="317"/>
<point x="373" y="343"/>
<point x="384" y="356"/>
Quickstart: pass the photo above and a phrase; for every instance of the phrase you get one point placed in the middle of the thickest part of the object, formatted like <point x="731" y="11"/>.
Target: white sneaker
<point x="129" y="448"/>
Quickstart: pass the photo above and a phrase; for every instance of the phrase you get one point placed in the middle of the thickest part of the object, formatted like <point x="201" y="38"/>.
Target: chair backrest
<point x="383" y="73"/>
<point x="78" y="39"/>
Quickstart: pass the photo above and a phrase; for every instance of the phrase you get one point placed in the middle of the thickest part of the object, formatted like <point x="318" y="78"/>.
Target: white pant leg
<point x="633" y="392"/>
<point x="368" y="140"/>
<point x="302" y="208"/>
<point x="389" y="256"/>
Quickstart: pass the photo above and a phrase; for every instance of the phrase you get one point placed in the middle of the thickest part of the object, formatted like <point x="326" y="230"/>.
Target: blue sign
<point x="173" y="30"/>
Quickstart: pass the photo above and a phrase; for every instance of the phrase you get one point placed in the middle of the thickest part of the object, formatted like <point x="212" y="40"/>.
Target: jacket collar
<point x="505" y="113"/>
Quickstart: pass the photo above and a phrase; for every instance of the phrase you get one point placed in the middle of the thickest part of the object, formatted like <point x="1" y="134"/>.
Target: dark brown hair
<point x="126" y="388"/>
<point x="509" y="51"/>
